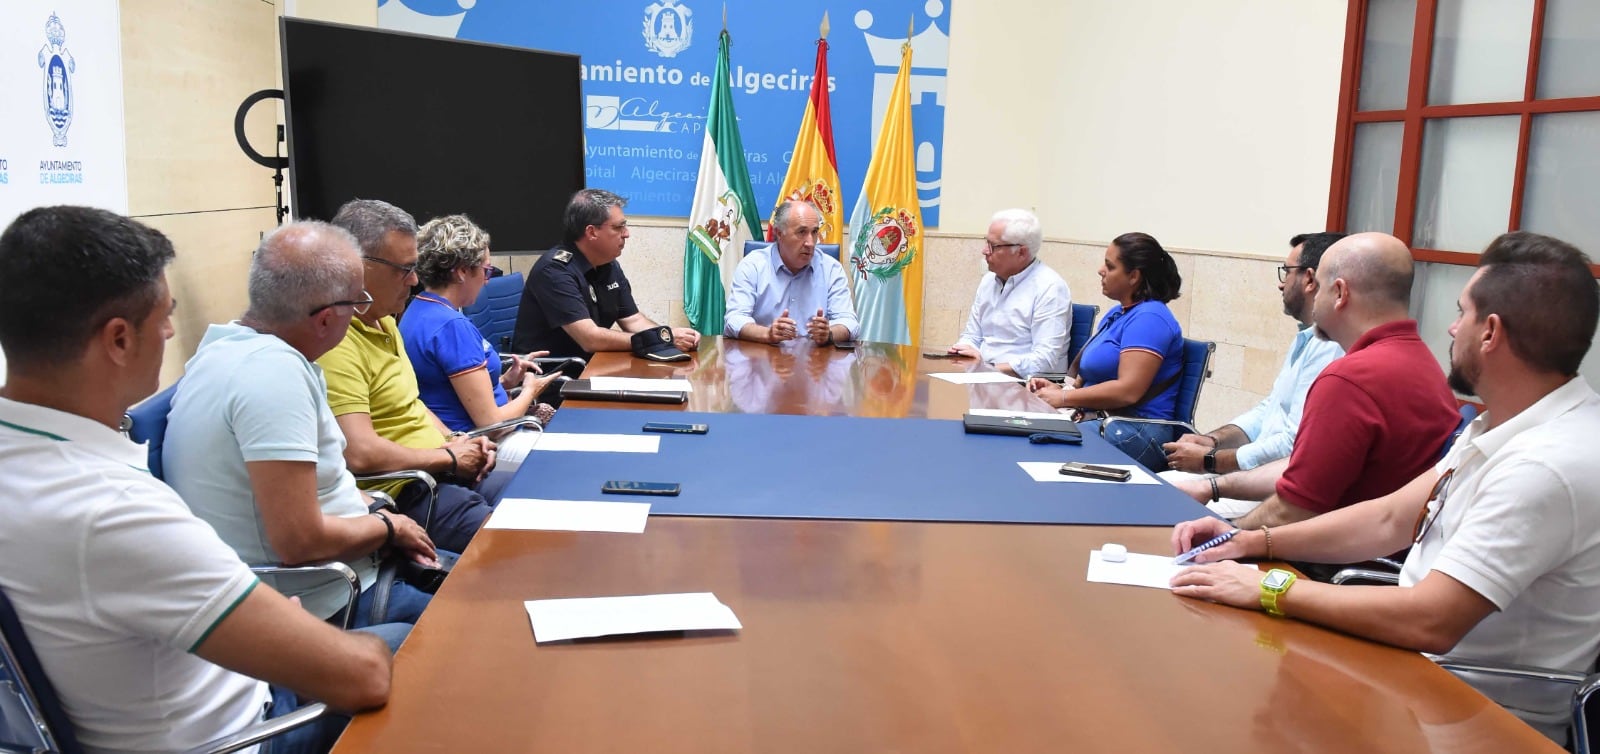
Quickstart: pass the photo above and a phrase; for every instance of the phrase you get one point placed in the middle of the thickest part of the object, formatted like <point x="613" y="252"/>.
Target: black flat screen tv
<point x="434" y="126"/>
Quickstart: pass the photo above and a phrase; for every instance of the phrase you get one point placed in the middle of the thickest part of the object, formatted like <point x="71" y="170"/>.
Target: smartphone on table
<point x="682" y="429"/>
<point x="616" y="487"/>
<point x="1091" y="471"/>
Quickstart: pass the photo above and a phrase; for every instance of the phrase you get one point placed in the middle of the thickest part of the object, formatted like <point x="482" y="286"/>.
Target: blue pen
<point x="1206" y="545"/>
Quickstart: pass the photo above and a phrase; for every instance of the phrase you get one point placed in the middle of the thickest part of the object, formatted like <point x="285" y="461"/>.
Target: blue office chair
<point x="495" y="311"/>
<point x="1196" y="370"/>
<point x="1080" y="328"/>
<point x="32" y="719"/>
<point x="1469" y="412"/>
<point x="831" y="249"/>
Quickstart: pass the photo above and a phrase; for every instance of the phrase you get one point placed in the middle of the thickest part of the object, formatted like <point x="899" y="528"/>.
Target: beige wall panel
<point x="209" y="276"/>
<point x="1237" y="301"/>
<point x="187" y="64"/>
<point x="1261" y="367"/>
<point x="357" y="12"/>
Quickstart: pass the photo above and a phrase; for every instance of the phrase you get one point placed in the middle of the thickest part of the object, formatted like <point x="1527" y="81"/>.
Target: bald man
<point x="1374" y="419"/>
<point x="778" y="286"/>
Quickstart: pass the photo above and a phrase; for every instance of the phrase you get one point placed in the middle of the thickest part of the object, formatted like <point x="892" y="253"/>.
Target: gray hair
<point x="445" y="244"/>
<point x="780" y="216"/>
<point x="299" y="267"/>
<point x="372" y="219"/>
<point x="588" y="207"/>
<point x="1022" y="227"/>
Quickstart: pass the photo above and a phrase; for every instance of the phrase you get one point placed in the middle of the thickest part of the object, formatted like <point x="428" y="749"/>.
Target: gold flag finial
<point x="824" y="25"/>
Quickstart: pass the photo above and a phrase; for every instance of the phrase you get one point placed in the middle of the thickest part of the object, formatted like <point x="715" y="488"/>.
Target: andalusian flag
<point x="814" y="171"/>
<point x="886" y="241"/>
<point x="723" y="215"/>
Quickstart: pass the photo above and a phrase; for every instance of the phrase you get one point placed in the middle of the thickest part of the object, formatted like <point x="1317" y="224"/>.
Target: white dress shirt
<point x="1022" y="321"/>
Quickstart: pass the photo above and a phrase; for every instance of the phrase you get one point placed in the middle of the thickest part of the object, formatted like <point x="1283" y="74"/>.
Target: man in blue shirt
<point x="1266" y="432"/>
<point x="788" y="279"/>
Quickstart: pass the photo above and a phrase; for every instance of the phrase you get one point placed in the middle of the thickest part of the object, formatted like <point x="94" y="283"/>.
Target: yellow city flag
<point x="886" y="238"/>
<point x="814" y="170"/>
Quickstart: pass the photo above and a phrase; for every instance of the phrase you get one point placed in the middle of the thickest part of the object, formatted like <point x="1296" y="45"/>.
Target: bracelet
<point x="1216" y="494"/>
<point x="388" y="538"/>
<point x="1265" y="532"/>
<point x="1214" y="441"/>
<point x="453" y="467"/>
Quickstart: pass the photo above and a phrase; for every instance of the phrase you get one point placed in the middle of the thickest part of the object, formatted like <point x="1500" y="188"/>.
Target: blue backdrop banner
<point x="647" y="67"/>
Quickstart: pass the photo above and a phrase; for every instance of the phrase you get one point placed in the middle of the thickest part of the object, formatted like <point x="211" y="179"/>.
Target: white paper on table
<point x="555" y="620"/>
<point x="974" y="378"/>
<point x="1019" y="414"/>
<point x="1050" y="471"/>
<point x="598" y="443"/>
<point x="569" y="515"/>
<point x="641" y="384"/>
<point x="1138" y="570"/>
<point x="512" y="450"/>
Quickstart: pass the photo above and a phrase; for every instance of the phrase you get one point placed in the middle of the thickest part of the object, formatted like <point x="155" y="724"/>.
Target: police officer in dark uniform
<point x="577" y="291"/>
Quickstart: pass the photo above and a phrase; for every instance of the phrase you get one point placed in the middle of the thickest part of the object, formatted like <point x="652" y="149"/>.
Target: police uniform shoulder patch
<point x="563" y="256"/>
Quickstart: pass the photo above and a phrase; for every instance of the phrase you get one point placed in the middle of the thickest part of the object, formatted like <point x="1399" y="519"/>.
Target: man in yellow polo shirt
<point x="372" y="388"/>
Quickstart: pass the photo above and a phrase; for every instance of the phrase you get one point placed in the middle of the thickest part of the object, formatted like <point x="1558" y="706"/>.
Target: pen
<point x="1203" y="546"/>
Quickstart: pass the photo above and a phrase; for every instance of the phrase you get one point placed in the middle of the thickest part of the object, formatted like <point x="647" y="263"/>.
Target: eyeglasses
<point x="406" y="270"/>
<point x="999" y="246"/>
<point x="1283" y="270"/>
<point x="1430" y="511"/>
<point x="360" y="307"/>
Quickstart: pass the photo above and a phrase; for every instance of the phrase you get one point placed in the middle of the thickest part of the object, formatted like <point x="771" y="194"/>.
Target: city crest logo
<point x="668" y="27"/>
<point x="58" y="67"/>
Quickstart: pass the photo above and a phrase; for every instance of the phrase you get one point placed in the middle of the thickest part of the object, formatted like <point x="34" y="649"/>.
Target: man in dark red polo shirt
<point x="1374" y="419"/>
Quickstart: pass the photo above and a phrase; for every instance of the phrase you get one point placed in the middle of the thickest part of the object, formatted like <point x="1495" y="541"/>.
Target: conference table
<point x="866" y="633"/>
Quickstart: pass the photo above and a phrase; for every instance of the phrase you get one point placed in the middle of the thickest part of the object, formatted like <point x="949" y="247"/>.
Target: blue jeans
<point x="318" y="735"/>
<point x="460" y="511"/>
<point x="406" y="604"/>
<point x="1142" y="442"/>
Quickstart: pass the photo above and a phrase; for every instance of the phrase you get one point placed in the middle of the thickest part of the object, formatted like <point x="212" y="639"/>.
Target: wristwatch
<point x="1209" y="463"/>
<point x="1274" y="585"/>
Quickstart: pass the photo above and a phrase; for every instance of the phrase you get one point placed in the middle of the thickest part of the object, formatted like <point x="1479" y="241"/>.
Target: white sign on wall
<point x="61" y="129"/>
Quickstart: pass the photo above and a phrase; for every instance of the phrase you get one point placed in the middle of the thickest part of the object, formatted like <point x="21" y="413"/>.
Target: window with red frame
<point x="1462" y="119"/>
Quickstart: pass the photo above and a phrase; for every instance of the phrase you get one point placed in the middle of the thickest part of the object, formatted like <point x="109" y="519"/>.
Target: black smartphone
<point x="682" y="429"/>
<point x="1060" y="378"/>
<point x="640" y="488"/>
<point x="1090" y="471"/>
<point x="940" y="355"/>
<point x="846" y="345"/>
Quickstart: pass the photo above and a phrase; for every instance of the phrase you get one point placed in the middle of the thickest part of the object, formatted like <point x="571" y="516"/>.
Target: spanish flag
<point x="724" y="214"/>
<point x="886" y="239"/>
<point x="814" y="170"/>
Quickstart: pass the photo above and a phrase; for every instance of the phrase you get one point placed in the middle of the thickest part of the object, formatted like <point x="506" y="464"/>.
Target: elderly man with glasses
<point x="786" y="281"/>
<point x="1267" y="431"/>
<point x="1023" y="309"/>
<point x="1504" y="532"/>
<point x="374" y="395"/>
<point x="251" y="445"/>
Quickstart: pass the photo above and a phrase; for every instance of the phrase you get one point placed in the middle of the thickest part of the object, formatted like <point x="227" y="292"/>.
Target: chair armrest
<point x="334" y="569"/>
<point x="1366" y="574"/>
<point x="413" y="475"/>
<point x="381" y="502"/>
<point x="262" y="731"/>
<point x="1506" y="670"/>
<point x="509" y="424"/>
<point x="1189" y="428"/>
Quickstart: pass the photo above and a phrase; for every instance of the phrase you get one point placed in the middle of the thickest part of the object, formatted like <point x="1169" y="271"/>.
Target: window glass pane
<point x="1480" y="51"/>
<point x="1464" y="189"/>
<point x="1564" y="179"/>
<point x="1386" y="54"/>
<point x="1374" y="176"/>
<point x="1569" y="56"/>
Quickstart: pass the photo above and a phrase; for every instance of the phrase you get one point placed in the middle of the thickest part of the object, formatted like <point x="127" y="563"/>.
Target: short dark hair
<point x="1158" y="271"/>
<point x="65" y="271"/>
<point x="588" y="207"/>
<point x="1546" y="296"/>
<point x="1315" y="244"/>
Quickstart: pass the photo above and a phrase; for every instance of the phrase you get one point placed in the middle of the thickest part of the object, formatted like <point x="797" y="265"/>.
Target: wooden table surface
<point x="905" y="637"/>
<point x="875" y="379"/>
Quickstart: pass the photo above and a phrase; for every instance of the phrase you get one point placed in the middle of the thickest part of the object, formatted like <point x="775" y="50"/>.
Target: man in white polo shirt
<point x="1504" y="532"/>
<point x="1023" y="310"/>
<point x="151" y="630"/>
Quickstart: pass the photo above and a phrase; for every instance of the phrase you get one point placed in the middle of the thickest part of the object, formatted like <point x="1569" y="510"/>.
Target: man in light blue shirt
<point x="1266" y="432"/>
<point x="788" y="279"/>
<point x="1023" y="309"/>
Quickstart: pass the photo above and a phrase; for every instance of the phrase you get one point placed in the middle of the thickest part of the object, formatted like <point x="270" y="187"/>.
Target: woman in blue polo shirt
<point x="1132" y="364"/>
<point x="458" y="372"/>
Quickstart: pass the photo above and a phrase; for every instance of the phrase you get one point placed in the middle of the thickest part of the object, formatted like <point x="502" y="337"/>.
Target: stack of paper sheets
<point x="557" y="620"/>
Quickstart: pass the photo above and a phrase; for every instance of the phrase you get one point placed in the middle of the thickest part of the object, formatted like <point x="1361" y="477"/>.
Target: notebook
<point x="977" y="424"/>
<point x="580" y="390"/>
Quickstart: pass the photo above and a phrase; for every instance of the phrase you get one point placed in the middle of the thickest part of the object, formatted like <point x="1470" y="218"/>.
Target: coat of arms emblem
<point x="668" y="26"/>
<point x="58" y="66"/>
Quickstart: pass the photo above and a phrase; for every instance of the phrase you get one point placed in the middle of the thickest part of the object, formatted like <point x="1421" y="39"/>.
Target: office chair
<point x="1196" y="369"/>
<point x="1080" y="328"/>
<point x="147" y="423"/>
<point x="831" y="249"/>
<point x="495" y="311"/>
<point x="32" y="719"/>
